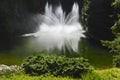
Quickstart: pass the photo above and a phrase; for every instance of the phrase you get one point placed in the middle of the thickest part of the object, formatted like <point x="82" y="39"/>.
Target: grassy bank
<point x="27" y="77"/>
<point x="106" y="74"/>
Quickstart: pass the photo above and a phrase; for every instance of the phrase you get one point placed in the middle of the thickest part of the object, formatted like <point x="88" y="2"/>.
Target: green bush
<point x="116" y="61"/>
<point x="116" y="5"/>
<point x="114" y="47"/>
<point x="56" y="65"/>
<point x="84" y="12"/>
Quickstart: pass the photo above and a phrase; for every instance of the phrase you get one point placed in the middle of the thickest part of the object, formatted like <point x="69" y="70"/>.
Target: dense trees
<point x="96" y="15"/>
<point x="114" y="45"/>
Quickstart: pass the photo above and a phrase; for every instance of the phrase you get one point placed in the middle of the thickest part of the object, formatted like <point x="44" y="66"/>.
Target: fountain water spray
<point x="59" y="30"/>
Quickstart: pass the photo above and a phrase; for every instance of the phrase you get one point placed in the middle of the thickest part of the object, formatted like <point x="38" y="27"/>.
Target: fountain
<point x="58" y="30"/>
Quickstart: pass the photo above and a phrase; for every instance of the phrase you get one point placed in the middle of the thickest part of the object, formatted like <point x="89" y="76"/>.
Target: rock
<point x="6" y="70"/>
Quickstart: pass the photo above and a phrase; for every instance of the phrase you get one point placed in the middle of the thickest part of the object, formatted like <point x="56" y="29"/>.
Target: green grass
<point x="27" y="77"/>
<point x="11" y="60"/>
<point x="105" y="74"/>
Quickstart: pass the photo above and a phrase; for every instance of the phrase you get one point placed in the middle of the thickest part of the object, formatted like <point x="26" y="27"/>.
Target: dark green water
<point x="98" y="56"/>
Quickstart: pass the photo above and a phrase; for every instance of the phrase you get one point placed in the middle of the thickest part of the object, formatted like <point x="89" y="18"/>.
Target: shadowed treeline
<point x="99" y="19"/>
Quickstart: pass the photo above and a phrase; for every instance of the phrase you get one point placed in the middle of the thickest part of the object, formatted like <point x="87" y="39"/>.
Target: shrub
<point x="56" y="65"/>
<point x="116" y="61"/>
<point x="114" y="47"/>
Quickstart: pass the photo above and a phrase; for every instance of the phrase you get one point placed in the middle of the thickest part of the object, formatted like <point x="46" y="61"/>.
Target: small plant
<point x="56" y="65"/>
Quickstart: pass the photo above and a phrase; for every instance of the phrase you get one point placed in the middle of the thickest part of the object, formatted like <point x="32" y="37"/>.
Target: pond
<point x="98" y="56"/>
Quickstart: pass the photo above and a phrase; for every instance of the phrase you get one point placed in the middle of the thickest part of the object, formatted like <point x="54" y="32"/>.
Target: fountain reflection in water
<point x="59" y="30"/>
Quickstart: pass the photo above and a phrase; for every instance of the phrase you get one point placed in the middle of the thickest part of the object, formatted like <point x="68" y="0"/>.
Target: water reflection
<point x="87" y="48"/>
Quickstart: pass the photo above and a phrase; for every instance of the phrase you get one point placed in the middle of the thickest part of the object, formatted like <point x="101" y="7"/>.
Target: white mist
<point x="58" y="30"/>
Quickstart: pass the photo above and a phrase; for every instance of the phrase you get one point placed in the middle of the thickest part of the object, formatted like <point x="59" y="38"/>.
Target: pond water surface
<point x="96" y="54"/>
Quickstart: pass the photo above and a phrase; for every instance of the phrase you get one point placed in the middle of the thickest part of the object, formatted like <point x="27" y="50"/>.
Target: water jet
<point x="58" y="30"/>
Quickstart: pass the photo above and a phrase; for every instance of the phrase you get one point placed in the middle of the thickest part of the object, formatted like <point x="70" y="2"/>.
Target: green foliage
<point x="56" y="65"/>
<point x="90" y="76"/>
<point x="116" y="5"/>
<point x="108" y="74"/>
<point x="114" y="45"/>
<point x="84" y="12"/>
<point x="42" y="77"/>
<point x="116" y="61"/>
<point x="116" y="28"/>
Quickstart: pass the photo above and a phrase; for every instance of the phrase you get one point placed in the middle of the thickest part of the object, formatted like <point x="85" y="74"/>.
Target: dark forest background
<point x="16" y="18"/>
